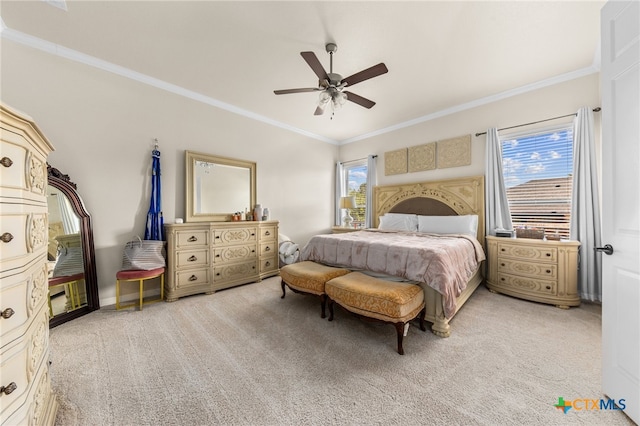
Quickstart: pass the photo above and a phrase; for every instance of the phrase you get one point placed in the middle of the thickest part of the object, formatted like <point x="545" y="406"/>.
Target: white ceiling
<point x="442" y="56"/>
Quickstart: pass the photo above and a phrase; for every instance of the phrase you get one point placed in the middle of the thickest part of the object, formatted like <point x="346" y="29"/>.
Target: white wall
<point x="102" y="127"/>
<point x="553" y="101"/>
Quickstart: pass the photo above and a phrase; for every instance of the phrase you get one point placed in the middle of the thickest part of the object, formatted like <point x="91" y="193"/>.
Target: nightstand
<point x="342" y="229"/>
<point x="536" y="270"/>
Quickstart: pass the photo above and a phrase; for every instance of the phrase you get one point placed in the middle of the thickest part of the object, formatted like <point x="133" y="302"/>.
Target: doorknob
<point x="607" y="249"/>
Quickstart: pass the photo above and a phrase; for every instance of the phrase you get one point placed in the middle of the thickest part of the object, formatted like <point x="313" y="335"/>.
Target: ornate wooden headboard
<point x="458" y="196"/>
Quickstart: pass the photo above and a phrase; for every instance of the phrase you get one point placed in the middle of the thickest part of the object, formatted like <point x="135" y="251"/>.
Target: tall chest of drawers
<point x="536" y="270"/>
<point x="209" y="256"/>
<point x="25" y="389"/>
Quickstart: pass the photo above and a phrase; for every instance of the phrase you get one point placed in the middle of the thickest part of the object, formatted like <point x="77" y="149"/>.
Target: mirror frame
<point x="190" y="161"/>
<point x="62" y="183"/>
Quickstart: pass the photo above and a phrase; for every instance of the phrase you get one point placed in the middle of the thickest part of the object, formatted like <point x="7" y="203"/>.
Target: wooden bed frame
<point x="459" y="196"/>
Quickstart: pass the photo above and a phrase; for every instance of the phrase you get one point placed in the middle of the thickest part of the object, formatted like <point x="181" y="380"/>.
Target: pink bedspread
<point x="443" y="262"/>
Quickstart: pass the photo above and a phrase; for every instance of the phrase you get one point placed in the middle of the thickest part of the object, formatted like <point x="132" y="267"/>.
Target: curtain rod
<point x="357" y="159"/>
<point x="596" y="109"/>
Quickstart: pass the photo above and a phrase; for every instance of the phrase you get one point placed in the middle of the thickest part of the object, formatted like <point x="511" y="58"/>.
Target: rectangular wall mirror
<point x="217" y="187"/>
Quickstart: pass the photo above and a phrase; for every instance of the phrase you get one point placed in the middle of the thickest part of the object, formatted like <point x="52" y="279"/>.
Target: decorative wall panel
<point x="454" y="152"/>
<point x="422" y="157"/>
<point x="395" y="162"/>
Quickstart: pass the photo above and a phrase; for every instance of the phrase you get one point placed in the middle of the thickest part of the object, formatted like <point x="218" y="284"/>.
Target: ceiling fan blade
<point x="359" y="100"/>
<point x="319" y="111"/>
<point x="374" y="71"/>
<point x="315" y="65"/>
<point x="287" y="91"/>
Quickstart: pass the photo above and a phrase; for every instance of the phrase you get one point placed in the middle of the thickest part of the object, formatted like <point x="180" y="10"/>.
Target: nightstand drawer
<point x="528" y="285"/>
<point x="541" y="253"/>
<point x="537" y="270"/>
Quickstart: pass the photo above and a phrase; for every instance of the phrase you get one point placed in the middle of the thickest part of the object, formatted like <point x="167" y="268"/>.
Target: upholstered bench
<point x="309" y="278"/>
<point x="387" y="301"/>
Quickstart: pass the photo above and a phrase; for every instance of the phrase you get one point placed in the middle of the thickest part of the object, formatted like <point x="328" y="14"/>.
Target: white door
<point x="620" y="86"/>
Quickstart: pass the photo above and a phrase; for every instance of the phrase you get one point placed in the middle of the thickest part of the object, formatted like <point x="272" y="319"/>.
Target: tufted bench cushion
<point x="309" y="277"/>
<point x="388" y="301"/>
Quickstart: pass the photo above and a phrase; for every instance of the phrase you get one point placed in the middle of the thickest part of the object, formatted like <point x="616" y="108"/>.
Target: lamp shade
<point x="348" y="202"/>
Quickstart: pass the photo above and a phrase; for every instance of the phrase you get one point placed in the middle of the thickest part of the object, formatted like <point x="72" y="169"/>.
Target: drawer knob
<point x="192" y="239"/>
<point x="7" y="313"/>
<point x="502" y="264"/>
<point x="6" y="237"/>
<point x="502" y="250"/>
<point x="267" y="263"/>
<point x="217" y="237"/>
<point x="548" y="287"/>
<point x="9" y="388"/>
<point x="267" y="233"/>
<point x="218" y="274"/>
<point x="192" y="259"/>
<point x="548" y="254"/>
<point x="6" y="161"/>
<point x="217" y="255"/>
<point x="267" y="248"/>
<point x="253" y="234"/>
<point x="193" y="278"/>
<point x="548" y="271"/>
<point x="501" y="279"/>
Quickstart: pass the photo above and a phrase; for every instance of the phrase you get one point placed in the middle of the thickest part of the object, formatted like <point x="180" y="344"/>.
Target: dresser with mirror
<point x="211" y="251"/>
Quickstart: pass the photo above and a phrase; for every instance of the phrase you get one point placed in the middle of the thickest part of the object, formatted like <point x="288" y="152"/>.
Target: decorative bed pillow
<point x="399" y="222"/>
<point x="466" y="224"/>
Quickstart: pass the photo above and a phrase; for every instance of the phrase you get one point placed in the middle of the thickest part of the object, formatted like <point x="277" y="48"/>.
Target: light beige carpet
<point x="243" y="356"/>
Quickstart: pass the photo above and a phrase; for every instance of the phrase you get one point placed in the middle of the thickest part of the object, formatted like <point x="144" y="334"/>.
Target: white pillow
<point x="466" y="224"/>
<point x="399" y="222"/>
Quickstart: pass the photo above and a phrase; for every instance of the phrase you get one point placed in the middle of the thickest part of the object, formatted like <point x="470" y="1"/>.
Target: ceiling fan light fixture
<point x="339" y="99"/>
<point x="324" y="98"/>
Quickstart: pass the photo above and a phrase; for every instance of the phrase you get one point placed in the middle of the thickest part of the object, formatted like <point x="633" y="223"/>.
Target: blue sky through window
<point x="538" y="156"/>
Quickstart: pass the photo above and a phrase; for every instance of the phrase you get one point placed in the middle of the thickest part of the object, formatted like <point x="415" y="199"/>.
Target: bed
<point x="453" y="197"/>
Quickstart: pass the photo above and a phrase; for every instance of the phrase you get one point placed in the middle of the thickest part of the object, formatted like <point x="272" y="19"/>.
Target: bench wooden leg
<point x="400" y="332"/>
<point x="330" y="309"/>
<point x="282" y="284"/>
<point x="323" y="304"/>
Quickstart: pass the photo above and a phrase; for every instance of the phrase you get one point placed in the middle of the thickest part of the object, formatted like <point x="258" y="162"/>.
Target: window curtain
<point x="372" y="181"/>
<point x="338" y="193"/>
<point x="497" y="214"/>
<point x="585" y="206"/>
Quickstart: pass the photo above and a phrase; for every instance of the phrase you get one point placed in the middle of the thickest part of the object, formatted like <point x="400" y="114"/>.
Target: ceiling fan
<point x="331" y="85"/>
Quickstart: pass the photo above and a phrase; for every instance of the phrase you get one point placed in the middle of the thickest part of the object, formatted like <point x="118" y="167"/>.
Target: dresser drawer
<point x="234" y="236"/>
<point x="549" y="254"/>
<point x="192" y="278"/>
<point x="532" y="286"/>
<point x="24" y="236"/>
<point x="192" y="258"/>
<point x="23" y="294"/>
<point x="268" y="248"/>
<point x="268" y="233"/>
<point x="235" y="271"/>
<point x="21" y="360"/>
<point x="234" y="253"/>
<point x="24" y="170"/>
<point x="538" y="270"/>
<point x="268" y="264"/>
<point x="186" y="239"/>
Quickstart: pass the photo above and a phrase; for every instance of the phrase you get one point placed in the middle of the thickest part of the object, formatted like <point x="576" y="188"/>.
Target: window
<point x="355" y="179"/>
<point x="537" y="169"/>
